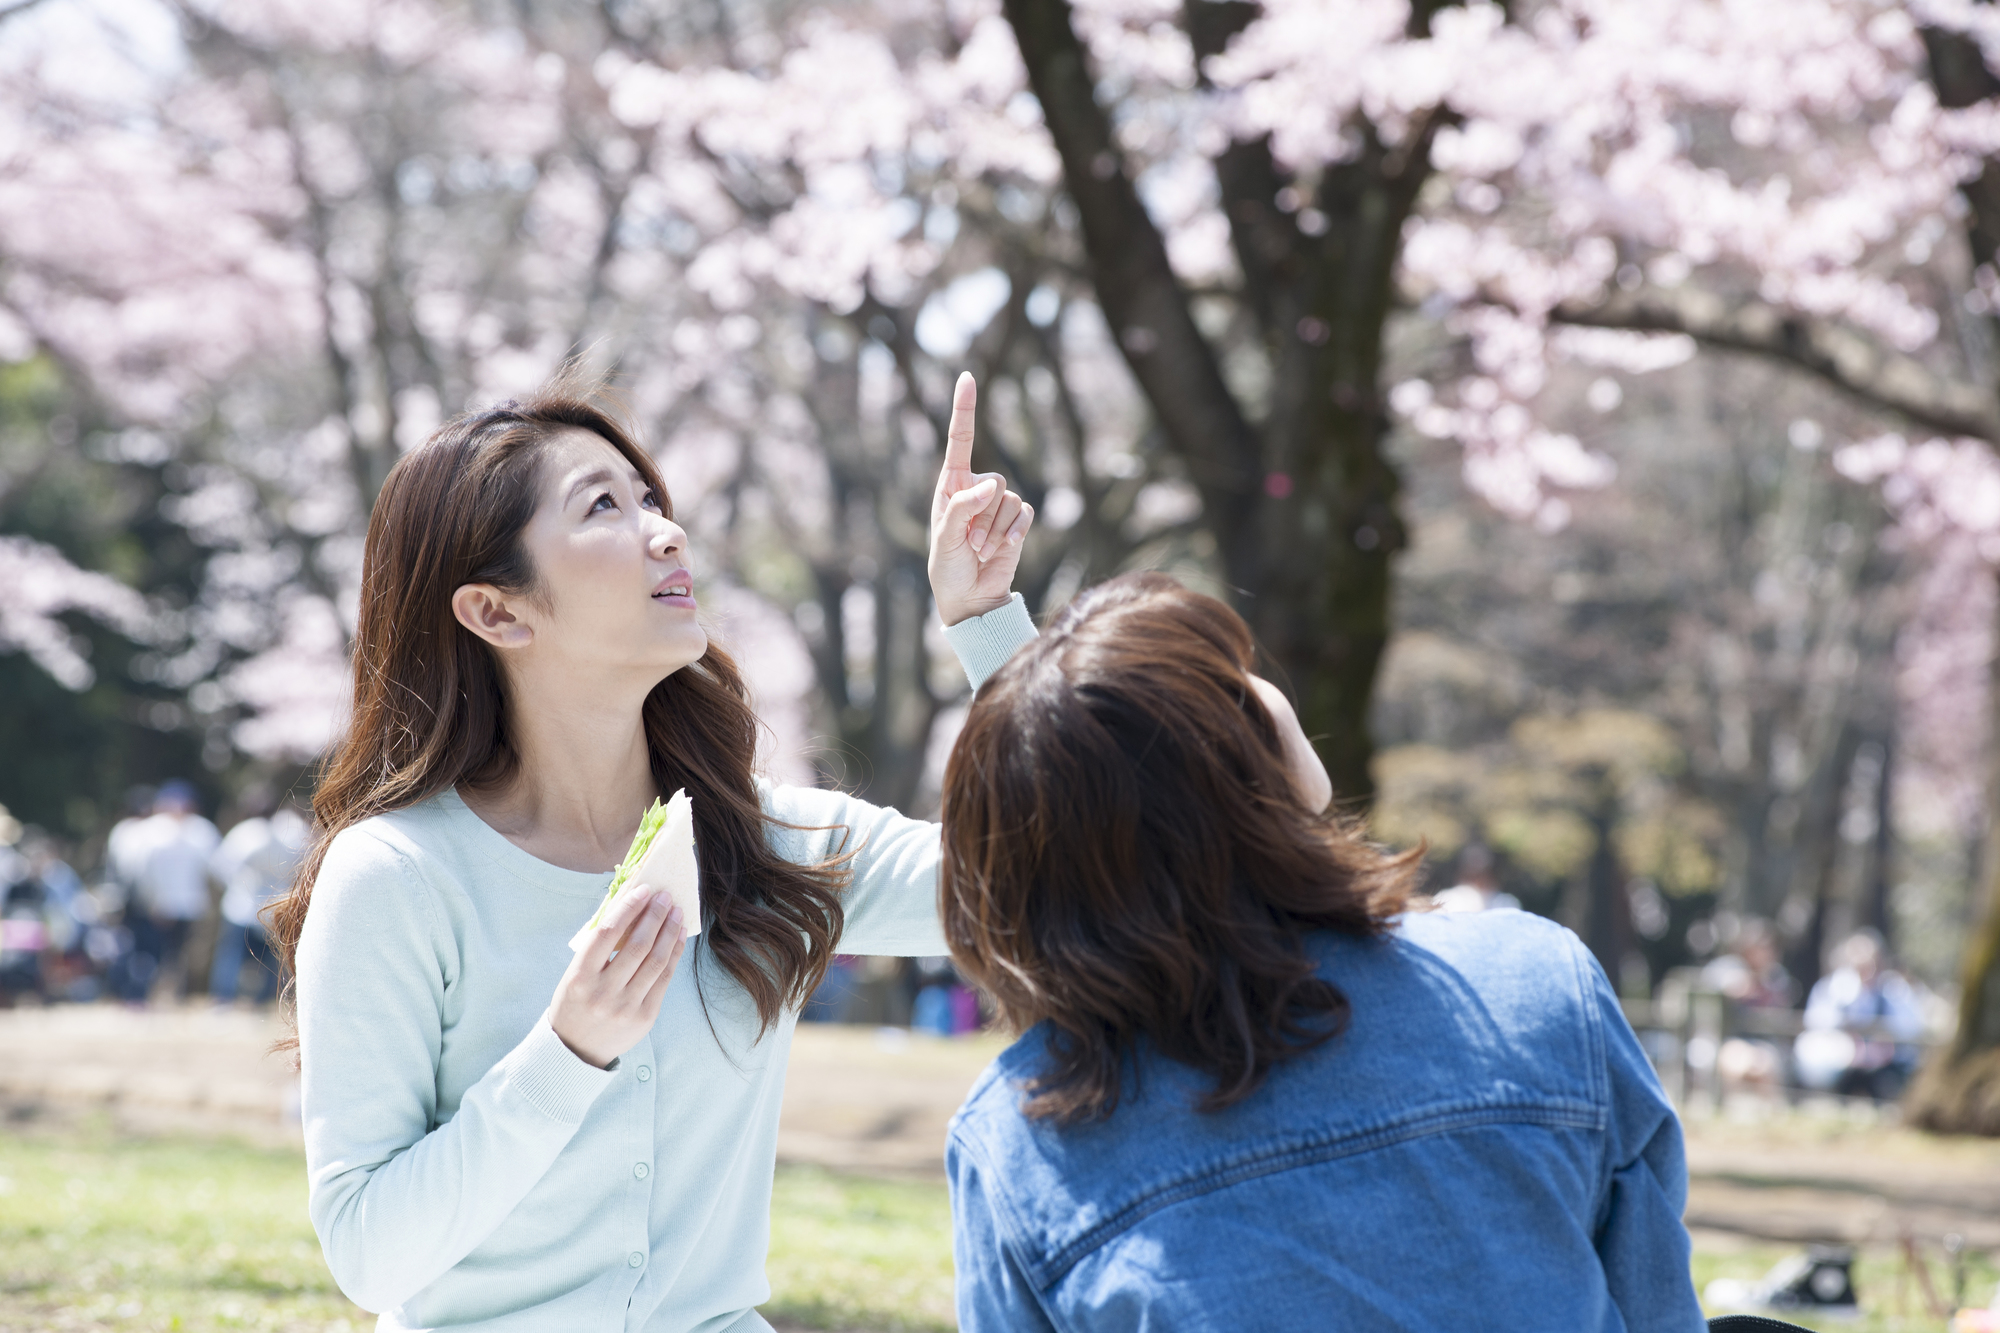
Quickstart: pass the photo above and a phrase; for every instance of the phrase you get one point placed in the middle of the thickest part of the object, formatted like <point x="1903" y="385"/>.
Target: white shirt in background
<point x="125" y="852"/>
<point x="174" y="883"/>
<point x="1475" y="898"/>
<point x="255" y="863"/>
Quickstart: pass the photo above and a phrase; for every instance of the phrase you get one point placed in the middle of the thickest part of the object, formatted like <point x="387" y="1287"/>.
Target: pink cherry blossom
<point x="234" y="243"/>
<point x="37" y="586"/>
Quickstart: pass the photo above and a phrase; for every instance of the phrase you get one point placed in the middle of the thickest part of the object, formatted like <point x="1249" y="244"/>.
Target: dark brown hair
<point x="430" y="702"/>
<point x="1125" y="855"/>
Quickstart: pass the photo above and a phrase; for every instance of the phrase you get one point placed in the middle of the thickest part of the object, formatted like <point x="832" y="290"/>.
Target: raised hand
<point x="977" y="524"/>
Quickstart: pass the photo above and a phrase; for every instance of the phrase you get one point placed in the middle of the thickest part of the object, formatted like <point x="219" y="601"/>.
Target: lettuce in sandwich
<point x="661" y="859"/>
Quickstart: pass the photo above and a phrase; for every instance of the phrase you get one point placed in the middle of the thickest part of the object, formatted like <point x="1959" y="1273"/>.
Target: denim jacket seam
<point x="1593" y="1026"/>
<point x="1598" y="1074"/>
<point x="1552" y="1112"/>
<point x="1009" y="1223"/>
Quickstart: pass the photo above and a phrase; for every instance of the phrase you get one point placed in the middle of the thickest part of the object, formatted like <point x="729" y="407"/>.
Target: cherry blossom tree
<point x="1560" y="182"/>
<point x="280" y="242"/>
<point x="426" y="212"/>
<point x="1579" y="181"/>
<point x="1179" y="240"/>
<point x="1249" y="194"/>
<point x="1731" y="588"/>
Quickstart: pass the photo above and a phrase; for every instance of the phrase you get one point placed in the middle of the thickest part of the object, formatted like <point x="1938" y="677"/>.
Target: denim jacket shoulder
<point x="1457" y="1021"/>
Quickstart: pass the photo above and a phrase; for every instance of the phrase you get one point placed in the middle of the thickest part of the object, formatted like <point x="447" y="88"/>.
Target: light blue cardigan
<point x="469" y="1171"/>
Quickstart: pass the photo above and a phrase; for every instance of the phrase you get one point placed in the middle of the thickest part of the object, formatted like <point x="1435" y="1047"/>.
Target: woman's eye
<point x="651" y="500"/>
<point x="601" y="503"/>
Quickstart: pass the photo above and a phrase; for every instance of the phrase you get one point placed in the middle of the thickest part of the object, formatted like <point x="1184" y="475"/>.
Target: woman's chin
<point x="611" y="672"/>
<point x="682" y="650"/>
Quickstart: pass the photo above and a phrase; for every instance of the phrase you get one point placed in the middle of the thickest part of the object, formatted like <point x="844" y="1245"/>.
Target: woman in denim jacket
<point x="1250" y="1091"/>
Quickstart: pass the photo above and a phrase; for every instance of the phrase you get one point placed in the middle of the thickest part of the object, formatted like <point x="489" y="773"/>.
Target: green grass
<point x="100" y="1230"/>
<point x="848" y="1252"/>
<point x="1892" y="1299"/>
<point x="103" y="1231"/>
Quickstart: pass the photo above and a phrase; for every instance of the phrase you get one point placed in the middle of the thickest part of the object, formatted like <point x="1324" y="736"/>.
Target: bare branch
<point x="903" y="346"/>
<point x="1870" y="374"/>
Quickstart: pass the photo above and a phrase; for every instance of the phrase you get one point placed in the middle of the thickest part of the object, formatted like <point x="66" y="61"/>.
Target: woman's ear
<point x="1309" y="775"/>
<point x="489" y="613"/>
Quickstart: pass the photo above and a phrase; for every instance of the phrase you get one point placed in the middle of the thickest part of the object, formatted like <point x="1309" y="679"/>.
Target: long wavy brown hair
<point x="1126" y="857"/>
<point x="430" y="700"/>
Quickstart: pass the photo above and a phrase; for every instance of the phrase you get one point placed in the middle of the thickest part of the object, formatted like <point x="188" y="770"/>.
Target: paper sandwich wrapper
<point x="669" y="866"/>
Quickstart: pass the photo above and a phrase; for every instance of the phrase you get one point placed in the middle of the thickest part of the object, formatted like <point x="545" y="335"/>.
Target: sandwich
<point x="660" y="860"/>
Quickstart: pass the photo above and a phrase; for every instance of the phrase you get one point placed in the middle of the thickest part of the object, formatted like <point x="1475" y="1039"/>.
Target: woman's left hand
<point x="977" y="524"/>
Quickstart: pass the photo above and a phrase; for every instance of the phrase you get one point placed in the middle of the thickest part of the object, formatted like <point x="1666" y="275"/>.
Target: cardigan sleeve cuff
<point x="984" y="643"/>
<point x="552" y="1078"/>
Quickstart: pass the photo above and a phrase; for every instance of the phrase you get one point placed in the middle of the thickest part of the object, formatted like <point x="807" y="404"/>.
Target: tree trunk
<point x="899" y="724"/>
<point x="1605" y="921"/>
<point x="1876" y="907"/>
<point x="1303" y="502"/>
<point x="1959" y="1089"/>
<point x="881" y="723"/>
<point x="1815" y="857"/>
<point x="1317" y="562"/>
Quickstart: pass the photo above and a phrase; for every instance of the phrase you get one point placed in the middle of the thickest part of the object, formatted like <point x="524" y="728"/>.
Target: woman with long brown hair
<point x="1252" y="1090"/>
<point x="502" y="1134"/>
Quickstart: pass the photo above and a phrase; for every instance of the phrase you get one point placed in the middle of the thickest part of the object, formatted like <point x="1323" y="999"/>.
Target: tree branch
<point x="1875" y="377"/>
<point x="1269" y="246"/>
<point x="1960" y="75"/>
<point x="903" y="347"/>
<point x="1141" y="296"/>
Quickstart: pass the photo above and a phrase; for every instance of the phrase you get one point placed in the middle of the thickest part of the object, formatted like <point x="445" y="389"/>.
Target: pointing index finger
<point x="958" y="439"/>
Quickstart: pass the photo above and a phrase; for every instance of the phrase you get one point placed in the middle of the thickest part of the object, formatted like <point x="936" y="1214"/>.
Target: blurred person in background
<point x="254" y="863"/>
<point x="1750" y="975"/>
<point x="43" y="913"/>
<point x="125" y="851"/>
<point x="880" y="993"/>
<point x="943" y="1003"/>
<point x="1863" y="1020"/>
<point x="1252" y="1089"/>
<point x="23" y="934"/>
<point x="112" y="943"/>
<point x="68" y="912"/>
<point x="833" y="999"/>
<point x="1478" y="887"/>
<point x="176" y="843"/>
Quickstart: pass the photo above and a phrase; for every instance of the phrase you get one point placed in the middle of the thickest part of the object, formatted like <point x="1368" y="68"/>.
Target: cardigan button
<point x="645" y="1072"/>
<point x="639" y="1171"/>
<point x="635" y="1259"/>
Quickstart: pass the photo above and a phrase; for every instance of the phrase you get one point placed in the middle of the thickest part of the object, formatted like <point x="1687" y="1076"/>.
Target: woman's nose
<point x="667" y="537"/>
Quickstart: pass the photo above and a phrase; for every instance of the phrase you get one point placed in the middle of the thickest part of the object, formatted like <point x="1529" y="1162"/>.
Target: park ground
<point x="150" y="1179"/>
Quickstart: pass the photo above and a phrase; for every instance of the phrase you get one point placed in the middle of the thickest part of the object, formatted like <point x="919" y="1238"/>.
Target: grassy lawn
<point x="101" y="1231"/>
<point x="1892" y="1301"/>
<point x="105" y="1231"/>
<point x="850" y="1253"/>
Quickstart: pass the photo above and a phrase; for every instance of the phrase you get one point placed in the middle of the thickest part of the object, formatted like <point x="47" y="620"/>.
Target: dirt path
<point x="855" y="1099"/>
<point x="859" y="1099"/>
<point x="878" y="1102"/>
<point x="1804" y="1177"/>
